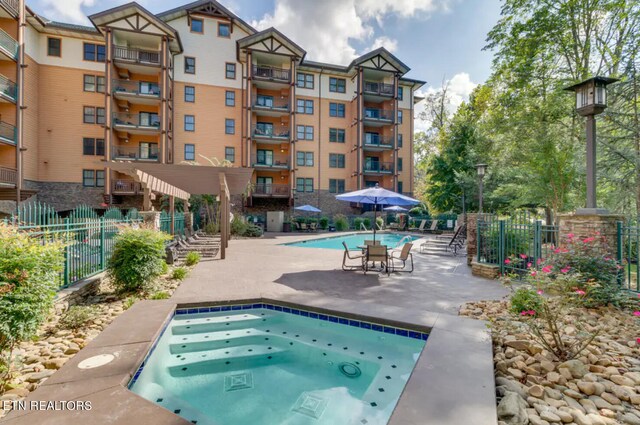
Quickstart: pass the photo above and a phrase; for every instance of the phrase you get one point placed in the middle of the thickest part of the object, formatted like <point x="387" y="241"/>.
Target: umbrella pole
<point x="375" y="212"/>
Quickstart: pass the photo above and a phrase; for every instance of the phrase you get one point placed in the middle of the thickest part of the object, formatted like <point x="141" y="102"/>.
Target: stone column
<point x="472" y="237"/>
<point x="151" y="219"/>
<point x="600" y="226"/>
<point x="188" y="223"/>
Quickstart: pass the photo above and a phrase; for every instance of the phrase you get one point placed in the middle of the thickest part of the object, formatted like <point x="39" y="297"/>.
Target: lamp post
<point x="591" y="100"/>
<point x="482" y="169"/>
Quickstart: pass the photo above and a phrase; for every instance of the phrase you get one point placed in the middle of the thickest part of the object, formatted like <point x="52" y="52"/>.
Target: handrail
<point x="8" y="131"/>
<point x="131" y="153"/>
<point x="281" y="131"/>
<point x="130" y="119"/>
<point x="270" y="72"/>
<point x="277" y="162"/>
<point x="382" y="89"/>
<point x="13" y="5"/>
<point x="277" y="103"/>
<point x="8" y="43"/>
<point x="148" y="88"/>
<point x="125" y="186"/>
<point x="136" y="55"/>
<point x="380" y="167"/>
<point x="377" y="140"/>
<point x="378" y="114"/>
<point x="8" y="88"/>
<point x="271" y="189"/>
<point x="8" y="175"/>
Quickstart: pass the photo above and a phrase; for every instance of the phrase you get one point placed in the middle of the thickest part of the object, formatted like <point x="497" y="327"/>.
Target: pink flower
<point x="547" y="269"/>
<point x="523" y="313"/>
<point x="580" y="292"/>
<point x="570" y="235"/>
<point x="534" y="273"/>
<point x="531" y="312"/>
<point x="556" y="251"/>
<point x="540" y="292"/>
<point x="507" y="261"/>
<point x="566" y="269"/>
<point x="539" y="261"/>
<point x="588" y="240"/>
<point x="636" y="313"/>
<point x="529" y="265"/>
<point x="598" y="233"/>
<point x="528" y="313"/>
<point x="523" y="256"/>
<point x="638" y="341"/>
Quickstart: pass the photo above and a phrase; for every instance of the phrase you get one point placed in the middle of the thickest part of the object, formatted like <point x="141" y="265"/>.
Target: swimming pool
<point x="354" y="240"/>
<point x="270" y="365"/>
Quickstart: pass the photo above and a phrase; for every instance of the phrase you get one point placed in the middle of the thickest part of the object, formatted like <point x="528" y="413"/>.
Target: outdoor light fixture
<point x="482" y="170"/>
<point x="591" y="100"/>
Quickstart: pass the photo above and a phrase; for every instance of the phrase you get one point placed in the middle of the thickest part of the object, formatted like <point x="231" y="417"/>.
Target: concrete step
<point x="218" y="323"/>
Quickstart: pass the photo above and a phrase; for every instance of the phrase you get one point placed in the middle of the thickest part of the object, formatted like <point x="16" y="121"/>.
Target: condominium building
<point x="195" y="84"/>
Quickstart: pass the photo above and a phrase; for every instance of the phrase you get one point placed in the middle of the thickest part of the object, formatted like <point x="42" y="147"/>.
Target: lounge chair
<point x="348" y="256"/>
<point x="420" y="228"/>
<point x="376" y="253"/>
<point x="433" y="228"/>
<point x="401" y="256"/>
<point x="303" y="227"/>
<point x="453" y="245"/>
<point x="394" y="226"/>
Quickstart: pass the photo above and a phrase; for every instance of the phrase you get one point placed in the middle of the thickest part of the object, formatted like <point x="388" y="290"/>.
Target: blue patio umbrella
<point x="377" y="196"/>
<point x="307" y="208"/>
<point x="395" y="208"/>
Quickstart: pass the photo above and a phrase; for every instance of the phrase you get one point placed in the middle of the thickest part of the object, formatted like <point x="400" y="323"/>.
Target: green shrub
<point x="192" y="258"/>
<point x="357" y="223"/>
<point x="138" y="258"/>
<point x="518" y="242"/>
<point x="341" y="222"/>
<point x="77" y="316"/>
<point x="238" y="226"/>
<point x="525" y="299"/>
<point x="165" y="268"/>
<point x="367" y="222"/>
<point x="179" y="273"/>
<point x="324" y="223"/>
<point x="160" y="295"/>
<point x="129" y="302"/>
<point x="380" y="222"/>
<point x="29" y="277"/>
<point x="211" y="228"/>
<point x="253" y="231"/>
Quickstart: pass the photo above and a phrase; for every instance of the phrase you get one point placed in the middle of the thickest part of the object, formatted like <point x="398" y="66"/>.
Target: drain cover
<point x="96" y="361"/>
<point x="349" y="369"/>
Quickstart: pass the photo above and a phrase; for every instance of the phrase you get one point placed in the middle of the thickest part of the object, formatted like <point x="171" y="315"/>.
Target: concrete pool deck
<point x="452" y="382"/>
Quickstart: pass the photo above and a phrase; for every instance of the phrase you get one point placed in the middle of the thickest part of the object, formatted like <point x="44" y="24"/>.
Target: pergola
<point x="182" y="181"/>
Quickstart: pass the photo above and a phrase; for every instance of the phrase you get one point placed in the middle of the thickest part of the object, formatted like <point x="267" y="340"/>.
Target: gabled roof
<point x="379" y="58"/>
<point x="130" y="10"/>
<point x="272" y="41"/>
<point x="207" y="7"/>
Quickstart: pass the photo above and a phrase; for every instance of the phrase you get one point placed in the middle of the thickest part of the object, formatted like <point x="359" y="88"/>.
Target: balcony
<point x="269" y="190"/>
<point x="376" y="142"/>
<point x="11" y="7"/>
<point x="271" y="75"/>
<point x="263" y="163"/>
<point x="134" y="153"/>
<point x="8" y="90"/>
<point x="379" y="90"/>
<point x="271" y="134"/>
<point x="137" y="92"/>
<point x="125" y="187"/>
<point x="142" y="123"/>
<point x="375" y="167"/>
<point x="377" y="117"/>
<point x="271" y="107"/>
<point x="8" y="176"/>
<point x="8" y="47"/>
<point x="8" y="133"/>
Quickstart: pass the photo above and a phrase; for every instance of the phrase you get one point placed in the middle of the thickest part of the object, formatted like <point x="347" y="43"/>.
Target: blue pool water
<point x="257" y="365"/>
<point x="354" y="240"/>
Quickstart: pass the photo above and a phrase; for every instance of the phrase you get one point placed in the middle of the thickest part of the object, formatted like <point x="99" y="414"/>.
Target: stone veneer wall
<point x="67" y="196"/>
<point x="472" y="237"/>
<point x="584" y="226"/>
<point x="322" y="199"/>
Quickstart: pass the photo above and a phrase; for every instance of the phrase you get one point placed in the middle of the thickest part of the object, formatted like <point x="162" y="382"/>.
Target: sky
<point x="438" y="39"/>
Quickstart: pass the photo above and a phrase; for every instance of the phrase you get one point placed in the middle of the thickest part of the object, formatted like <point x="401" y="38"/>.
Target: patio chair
<point x="376" y="253"/>
<point x="348" y="256"/>
<point x="303" y="227"/>
<point x="297" y="224"/>
<point x="453" y="245"/>
<point x="313" y="227"/>
<point x="401" y="256"/>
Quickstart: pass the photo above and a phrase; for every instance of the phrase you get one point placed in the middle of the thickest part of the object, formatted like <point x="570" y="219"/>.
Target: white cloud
<point x="386" y="42"/>
<point x="67" y="10"/>
<point x="327" y="29"/>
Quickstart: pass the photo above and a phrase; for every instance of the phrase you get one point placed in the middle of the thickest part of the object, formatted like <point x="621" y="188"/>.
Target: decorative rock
<point x="72" y="349"/>
<point x="629" y="418"/>
<point x="610" y="398"/>
<point x="536" y="420"/>
<point x="555" y="394"/>
<point x="548" y="415"/>
<point x="511" y="409"/>
<point x="580" y="418"/>
<point x="35" y="377"/>
<point x="573" y="394"/>
<point x="600" y="402"/>
<point x="588" y="405"/>
<point x="575" y="367"/>
<point x="547" y="365"/>
<point x="622" y="380"/>
<point x="553" y="377"/>
<point x="20" y="392"/>
<point x="55" y="363"/>
<point x="512" y="386"/>
<point x="536" y="391"/>
<point x="587" y="388"/>
<point x="565" y="416"/>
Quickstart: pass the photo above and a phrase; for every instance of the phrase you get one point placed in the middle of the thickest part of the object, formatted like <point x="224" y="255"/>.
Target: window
<point x="264" y="157"/>
<point x="336" y="135"/>
<point x="148" y="150"/>
<point x="230" y="71"/>
<point x="189" y="65"/>
<point x="400" y="187"/>
<point x="264" y="101"/>
<point x="304" y="106"/>
<point x="264" y="129"/>
<point x="100" y="116"/>
<point x="336" y="160"/>
<point x="224" y="30"/>
<point x="89" y="115"/>
<point x="149" y="119"/>
<point x="304" y="185"/>
<point x="336" y="110"/>
<point x="89" y="83"/>
<point x="230" y="98"/>
<point x="197" y="25"/>
<point x="189" y="94"/>
<point x="189" y="152"/>
<point x="400" y="93"/>
<point x="399" y="117"/>
<point x="304" y="132"/>
<point x="399" y="140"/>
<point x="304" y="159"/>
<point x="54" y="47"/>
<point x="399" y="164"/>
<point x="336" y="186"/>
<point x="230" y="154"/>
<point x="189" y="123"/>
<point x="93" y="178"/>
<point x="99" y="178"/>
<point x="91" y="146"/>
<point x="94" y="52"/>
<point x="304" y="81"/>
<point x="337" y="85"/>
<point x="100" y="84"/>
<point x="229" y="126"/>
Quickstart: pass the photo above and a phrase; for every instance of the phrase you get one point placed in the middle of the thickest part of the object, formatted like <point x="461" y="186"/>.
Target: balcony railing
<point x="8" y="44"/>
<point x="134" y="153"/>
<point x="136" y="88"/>
<point x="146" y="57"/>
<point x="276" y="104"/>
<point x="379" y="167"/>
<point x="268" y="189"/>
<point x="8" y="133"/>
<point x="8" y="88"/>
<point x="280" y="163"/>
<point x="125" y="119"/>
<point x="125" y="187"/>
<point x="378" y="114"/>
<point x="8" y="175"/>
<point x="375" y="140"/>
<point x="380" y="89"/>
<point x="271" y="73"/>
<point x="275" y="132"/>
<point x="11" y="6"/>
